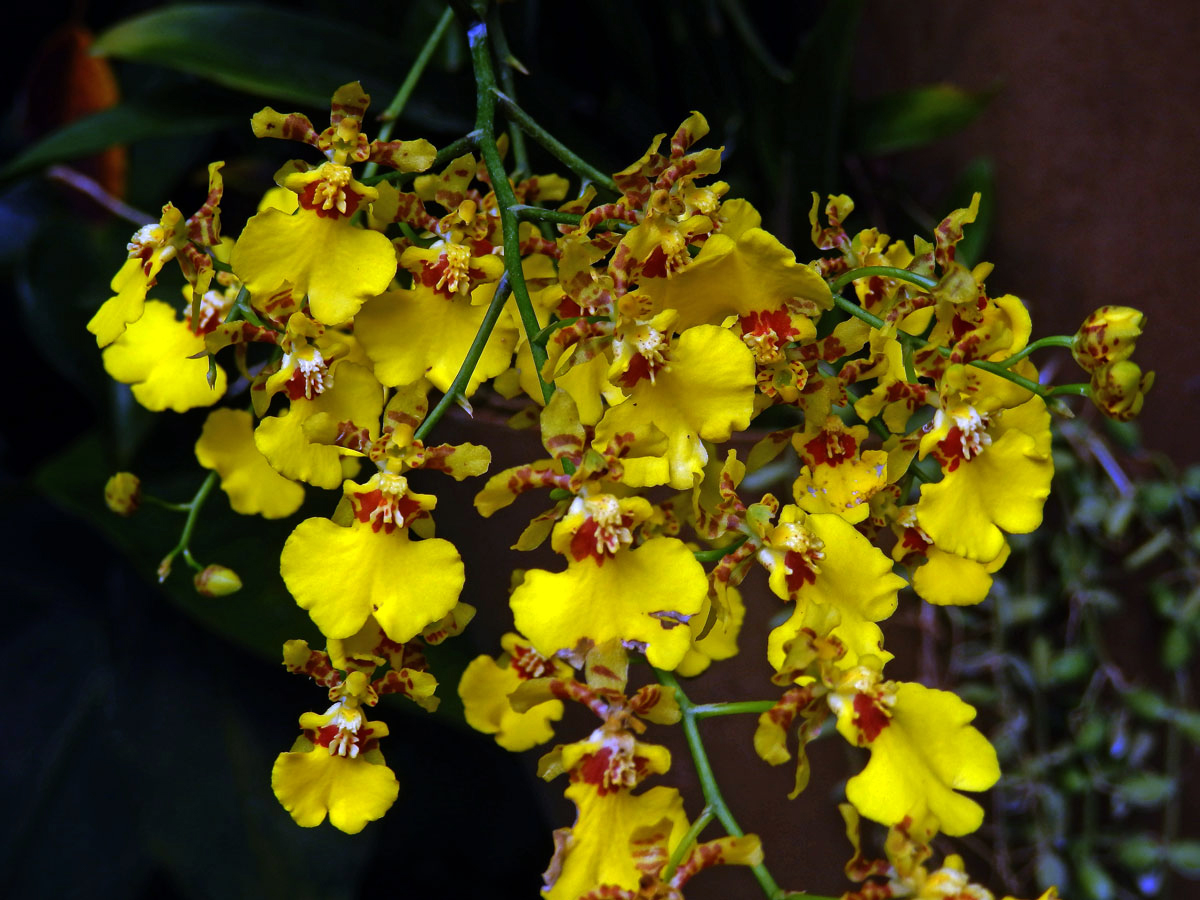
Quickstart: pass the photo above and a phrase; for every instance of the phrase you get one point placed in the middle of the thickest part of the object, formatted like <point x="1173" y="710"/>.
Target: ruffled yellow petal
<point x="736" y="277"/>
<point x="1003" y="489"/>
<point x="923" y="755"/>
<point x="597" y="852"/>
<point x="154" y="355"/>
<point x="705" y="392"/>
<point x="949" y="580"/>
<point x="339" y="266"/>
<point x="352" y="792"/>
<point x="844" y="488"/>
<point x="131" y="284"/>
<point x="721" y="640"/>
<point x="410" y="334"/>
<point x="355" y="397"/>
<point x="484" y="690"/>
<point x="227" y="445"/>
<point x="644" y="595"/>
<point x="342" y="575"/>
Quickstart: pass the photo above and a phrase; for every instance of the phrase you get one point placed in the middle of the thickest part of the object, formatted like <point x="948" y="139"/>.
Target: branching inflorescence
<point x="648" y="319"/>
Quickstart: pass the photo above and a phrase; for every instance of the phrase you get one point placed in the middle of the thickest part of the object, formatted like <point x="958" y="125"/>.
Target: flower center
<point x="312" y="375"/>
<point x="330" y="195"/>
<point x="389" y="507"/>
<point x="651" y="349"/>
<point x="341" y="734"/>
<point x="803" y="550"/>
<point x="455" y="278"/>
<point x="145" y="241"/>
<point x="528" y="663"/>
<point x="967" y="437"/>
<point x="214" y="305"/>
<point x="605" y="529"/>
<point x="766" y="332"/>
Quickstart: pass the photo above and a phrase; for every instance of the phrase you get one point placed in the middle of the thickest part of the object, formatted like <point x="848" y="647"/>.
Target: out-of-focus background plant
<point x="1087" y="657"/>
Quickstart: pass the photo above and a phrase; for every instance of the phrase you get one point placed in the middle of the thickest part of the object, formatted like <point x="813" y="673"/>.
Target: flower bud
<point x="123" y="493"/>
<point x="217" y="581"/>
<point x="1107" y="336"/>
<point x="1119" y="390"/>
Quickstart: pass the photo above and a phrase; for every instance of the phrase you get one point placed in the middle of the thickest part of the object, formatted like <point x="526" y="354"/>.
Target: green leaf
<point x="914" y="117"/>
<point x="1073" y="664"/>
<point x="1096" y="883"/>
<point x="1051" y="871"/>
<point x="1188" y="723"/>
<point x="1176" y="649"/>
<point x="1145" y="789"/>
<point x="1091" y="735"/>
<point x="1147" y="704"/>
<point x="123" y="124"/>
<point x="1138" y="852"/>
<point x="272" y="53"/>
<point x="1184" y="858"/>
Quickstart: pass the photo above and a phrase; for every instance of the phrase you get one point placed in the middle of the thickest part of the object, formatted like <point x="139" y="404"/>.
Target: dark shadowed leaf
<point x="913" y="118"/>
<point x="273" y="53"/>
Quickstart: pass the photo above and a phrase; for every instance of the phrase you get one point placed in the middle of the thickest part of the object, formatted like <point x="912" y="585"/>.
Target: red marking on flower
<point x="583" y="543"/>
<point x="767" y="331"/>
<point x="830" y="448"/>
<point x="950" y="448"/>
<point x="769" y="321"/>
<point x="538" y="244"/>
<point x="325" y="735"/>
<point x="296" y="385"/>
<point x="680" y="169"/>
<point x="655" y="265"/>
<point x="568" y="309"/>
<point x="870" y="716"/>
<point x="387" y="513"/>
<point x="639" y="368"/>
<point x="594" y="767"/>
<point x="914" y="540"/>
<point x="528" y="663"/>
<point x="799" y="571"/>
<point x="308" y="201"/>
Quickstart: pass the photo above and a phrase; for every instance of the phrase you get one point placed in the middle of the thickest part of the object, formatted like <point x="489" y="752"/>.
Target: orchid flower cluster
<point x="647" y="319"/>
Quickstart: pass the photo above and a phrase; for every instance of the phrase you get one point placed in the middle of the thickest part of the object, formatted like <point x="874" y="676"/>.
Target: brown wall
<point x="1095" y="134"/>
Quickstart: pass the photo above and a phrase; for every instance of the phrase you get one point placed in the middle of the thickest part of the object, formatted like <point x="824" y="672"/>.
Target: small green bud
<point x="123" y="493"/>
<point x="217" y="581"/>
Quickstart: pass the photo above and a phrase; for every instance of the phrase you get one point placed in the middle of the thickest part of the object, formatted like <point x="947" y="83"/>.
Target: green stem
<point x="485" y="113"/>
<point x="719" y="553"/>
<point x="193" y="508"/>
<point x="708" y="781"/>
<point x="557" y="148"/>
<point x="737" y="708"/>
<point x="1054" y="340"/>
<point x="538" y="214"/>
<point x="508" y="83"/>
<point x="1069" y="390"/>
<point x="164" y="504"/>
<point x="459" y="385"/>
<point x="389" y="116"/>
<point x="681" y="849"/>
<point x="845" y="278"/>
